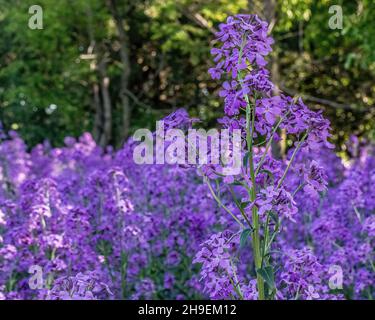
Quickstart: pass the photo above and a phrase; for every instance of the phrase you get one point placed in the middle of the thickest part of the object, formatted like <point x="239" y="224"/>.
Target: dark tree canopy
<point x="109" y="66"/>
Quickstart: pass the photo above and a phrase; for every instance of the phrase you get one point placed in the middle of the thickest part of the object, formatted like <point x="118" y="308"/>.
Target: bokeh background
<point x="112" y="66"/>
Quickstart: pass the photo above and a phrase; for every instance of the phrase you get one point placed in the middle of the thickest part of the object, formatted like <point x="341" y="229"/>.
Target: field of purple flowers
<point x="80" y="222"/>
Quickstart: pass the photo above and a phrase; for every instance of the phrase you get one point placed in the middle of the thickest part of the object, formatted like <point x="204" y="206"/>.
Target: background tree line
<point x="111" y="66"/>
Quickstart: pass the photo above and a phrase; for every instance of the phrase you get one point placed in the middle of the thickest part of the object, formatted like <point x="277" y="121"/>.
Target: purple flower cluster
<point x="284" y="205"/>
<point x="80" y="210"/>
<point x="218" y="271"/>
<point x="83" y="286"/>
<point x="243" y="40"/>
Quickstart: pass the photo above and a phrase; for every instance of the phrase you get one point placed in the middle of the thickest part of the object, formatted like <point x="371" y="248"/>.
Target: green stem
<point x="292" y="159"/>
<point x="221" y="204"/>
<point x="266" y="236"/>
<point x="254" y="210"/>
<point x="272" y="238"/>
<point x="124" y="267"/>
<point x="298" y="189"/>
<point x="250" y="124"/>
<point x="268" y="145"/>
<point x="235" y="285"/>
<point x="239" y="207"/>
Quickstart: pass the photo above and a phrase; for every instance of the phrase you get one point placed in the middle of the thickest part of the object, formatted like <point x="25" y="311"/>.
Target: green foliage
<point x="46" y="78"/>
<point x="336" y="65"/>
<point x="42" y="78"/>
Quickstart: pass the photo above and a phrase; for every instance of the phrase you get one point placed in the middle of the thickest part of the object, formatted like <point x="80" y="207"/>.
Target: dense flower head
<point x="245" y="34"/>
<point x="315" y="179"/>
<point x="277" y="200"/>
<point x="243" y="47"/>
<point x="83" y="286"/>
<point x="303" y="275"/>
<point x="217" y="267"/>
<point x="243" y="44"/>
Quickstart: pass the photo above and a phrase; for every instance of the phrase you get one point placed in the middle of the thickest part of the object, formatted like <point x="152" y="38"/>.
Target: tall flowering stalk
<point x="261" y="196"/>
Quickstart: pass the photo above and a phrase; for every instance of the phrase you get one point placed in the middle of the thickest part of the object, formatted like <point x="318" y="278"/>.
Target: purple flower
<point x="270" y="108"/>
<point x="315" y="179"/>
<point x="84" y="286"/>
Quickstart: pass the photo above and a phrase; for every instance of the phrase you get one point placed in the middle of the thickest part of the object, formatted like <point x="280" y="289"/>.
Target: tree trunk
<point x="124" y="54"/>
<point x="101" y="101"/>
<point x="97" y="130"/>
<point x="106" y="137"/>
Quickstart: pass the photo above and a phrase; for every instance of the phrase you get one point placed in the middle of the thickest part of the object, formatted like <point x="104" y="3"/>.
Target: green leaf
<point x="268" y="276"/>
<point x="236" y="183"/>
<point x="269" y="173"/>
<point x="244" y="204"/>
<point x="244" y="236"/>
